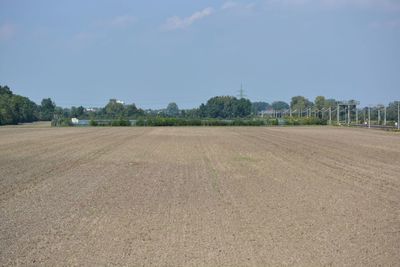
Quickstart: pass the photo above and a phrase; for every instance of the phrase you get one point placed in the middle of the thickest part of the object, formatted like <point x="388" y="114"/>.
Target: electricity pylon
<point x="241" y="92"/>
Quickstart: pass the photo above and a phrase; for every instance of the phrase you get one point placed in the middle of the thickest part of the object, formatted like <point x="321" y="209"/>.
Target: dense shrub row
<point x="160" y="121"/>
<point x="163" y="121"/>
<point x="305" y="121"/>
<point x="61" y="122"/>
<point x="119" y="122"/>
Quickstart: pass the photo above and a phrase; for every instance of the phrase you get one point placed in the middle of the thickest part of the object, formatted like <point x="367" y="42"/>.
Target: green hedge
<point x="61" y="122"/>
<point x="162" y="121"/>
<point x="305" y="121"/>
<point x="120" y="122"/>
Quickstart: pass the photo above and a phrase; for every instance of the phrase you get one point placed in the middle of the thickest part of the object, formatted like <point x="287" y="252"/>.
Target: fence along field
<point x="196" y="196"/>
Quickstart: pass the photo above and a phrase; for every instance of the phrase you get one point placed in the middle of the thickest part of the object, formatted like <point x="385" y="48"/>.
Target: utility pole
<point x="348" y="115"/>
<point x="356" y="115"/>
<point x="290" y="112"/>
<point x="330" y="115"/>
<point x="384" y="122"/>
<point x="364" y="115"/>
<point x="369" y="117"/>
<point x="338" y="114"/>
<point x="398" y="115"/>
<point x="379" y="116"/>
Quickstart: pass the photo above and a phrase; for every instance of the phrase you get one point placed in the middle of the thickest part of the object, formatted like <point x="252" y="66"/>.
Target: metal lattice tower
<point x="241" y="92"/>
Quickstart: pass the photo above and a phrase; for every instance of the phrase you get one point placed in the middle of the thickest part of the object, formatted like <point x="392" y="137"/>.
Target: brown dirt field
<point x="306" y="196"/>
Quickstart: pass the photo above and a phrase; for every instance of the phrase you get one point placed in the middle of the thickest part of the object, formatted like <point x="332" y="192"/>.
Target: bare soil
<point x="306" y="196"/>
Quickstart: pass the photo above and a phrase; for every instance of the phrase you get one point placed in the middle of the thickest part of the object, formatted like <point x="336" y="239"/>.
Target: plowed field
<point x="240" y="196"/>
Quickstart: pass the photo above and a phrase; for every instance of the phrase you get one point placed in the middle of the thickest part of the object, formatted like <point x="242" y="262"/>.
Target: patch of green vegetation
<point x="61" y="122"/>
<point x="243" y="158"/>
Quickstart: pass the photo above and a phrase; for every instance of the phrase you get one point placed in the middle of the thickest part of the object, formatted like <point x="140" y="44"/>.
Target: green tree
<point x="47" y="108"/>
<point x="330" y="103"/>
<point x="319" y="104"/>
<point x="226" y="107"/>
<point x="6" y="112"/>
<point x="257" y="107"/>
<point x="218" y="107"/>
<point x="202" y="112"/>
<point x="391" y="111"/>
<point x="26" y="109"/>
<point x="5" y="90"/>
<point x="242" y="107"/>
<point x="114" y="109"/>
<point x="172" y="110"/>
<point x="300" y="103"/>
<point x="280" y="105"/>
<point x="77" y="112"/>
<point x="132" y="110"/>
<point x="15" y="108"/>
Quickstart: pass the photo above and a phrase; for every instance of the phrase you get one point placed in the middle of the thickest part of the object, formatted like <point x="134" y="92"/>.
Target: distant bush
<point x="161" y="121"/>
<point x="240" y="122"/>
<point x="120" y="122"/>
<point x="167" y="121"/>
<point x="305" y="121"/>
<point x="61" y="122"/>
<point x="272" y="122"/>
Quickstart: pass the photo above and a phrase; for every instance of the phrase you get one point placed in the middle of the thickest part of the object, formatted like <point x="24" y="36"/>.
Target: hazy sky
<point x="154" y="52"/>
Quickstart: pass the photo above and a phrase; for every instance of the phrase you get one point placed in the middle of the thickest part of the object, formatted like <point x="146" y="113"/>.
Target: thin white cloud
<point x="174" y="23"/>
<point x="7" y="31"/>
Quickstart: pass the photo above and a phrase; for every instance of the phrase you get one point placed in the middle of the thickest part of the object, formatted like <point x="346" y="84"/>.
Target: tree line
<point x="16" y="109"/>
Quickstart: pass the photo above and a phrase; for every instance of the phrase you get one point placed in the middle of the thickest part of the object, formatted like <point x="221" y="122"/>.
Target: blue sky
<point x="155" y="52"/>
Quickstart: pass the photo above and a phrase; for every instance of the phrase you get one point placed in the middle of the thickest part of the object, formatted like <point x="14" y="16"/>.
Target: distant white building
<point x="120" y="102"/>
<point x="75" y="121"/>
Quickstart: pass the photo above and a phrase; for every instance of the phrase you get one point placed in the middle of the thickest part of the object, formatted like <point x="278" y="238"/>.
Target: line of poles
<point x="309" y="112"/>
